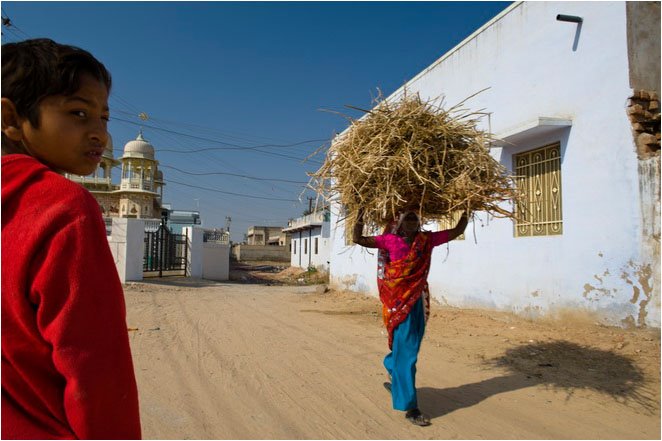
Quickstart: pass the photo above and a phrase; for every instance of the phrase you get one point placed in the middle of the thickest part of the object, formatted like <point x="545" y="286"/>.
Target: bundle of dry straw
<point x="413" y="155"/>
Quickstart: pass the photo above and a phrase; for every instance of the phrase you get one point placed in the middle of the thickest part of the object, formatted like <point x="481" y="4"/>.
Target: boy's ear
<point x="11" y="121"/>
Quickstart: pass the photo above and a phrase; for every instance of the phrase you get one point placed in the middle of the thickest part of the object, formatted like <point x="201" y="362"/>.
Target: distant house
<point x="310" y="239"/>
<point x="179" y="219"/>
<point x="571" y="89"/>
<point x="258" y="235"/>
<point x="263" y="243"/>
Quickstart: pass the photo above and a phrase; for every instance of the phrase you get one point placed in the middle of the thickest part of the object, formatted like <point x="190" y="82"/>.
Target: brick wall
<point x="644" y="114"/>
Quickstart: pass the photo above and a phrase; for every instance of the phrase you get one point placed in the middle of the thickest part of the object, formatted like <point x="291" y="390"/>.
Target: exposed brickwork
<point x="644" y="113"/>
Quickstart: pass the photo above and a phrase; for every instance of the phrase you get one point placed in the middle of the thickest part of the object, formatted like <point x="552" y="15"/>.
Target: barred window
<point x="538" y="174"/>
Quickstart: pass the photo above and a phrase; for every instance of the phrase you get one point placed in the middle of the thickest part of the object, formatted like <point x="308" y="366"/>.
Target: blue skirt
<point x="401" y="362"/>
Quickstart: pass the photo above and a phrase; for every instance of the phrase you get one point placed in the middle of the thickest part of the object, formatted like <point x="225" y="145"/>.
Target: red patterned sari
<point x="402" y="282"/>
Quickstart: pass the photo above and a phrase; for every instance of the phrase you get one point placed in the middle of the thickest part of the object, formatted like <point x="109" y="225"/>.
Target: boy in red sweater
<point x="66" y="363"/>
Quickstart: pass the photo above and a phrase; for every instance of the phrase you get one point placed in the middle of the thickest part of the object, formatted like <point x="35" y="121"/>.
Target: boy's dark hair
<point x="35" y="69"/>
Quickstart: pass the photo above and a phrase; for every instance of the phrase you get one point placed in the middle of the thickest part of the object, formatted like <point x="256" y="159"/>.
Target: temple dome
<point x="139" y="148"/>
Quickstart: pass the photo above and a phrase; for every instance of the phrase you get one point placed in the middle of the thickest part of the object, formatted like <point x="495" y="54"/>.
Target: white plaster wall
<point x="352" y="267"/>
<point x="322" y="259"/>
<point x="207" y="260"/>
<point x="305" y="258"/>
<point x="194" y="259"/>
<point x="537" y="66"/>
<point x="649" y="170"/>
<point x="215" y="261"/>
<point x="127" y="246"/>
<point x="294" y="251"/>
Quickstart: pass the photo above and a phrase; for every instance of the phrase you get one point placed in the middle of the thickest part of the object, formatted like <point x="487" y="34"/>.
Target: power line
<point x="10" y="26"/>
<point x="135" y="111"/>
<point x="230" y="193"/>
<point x="7" y="30"/>
<point x="233" y="168"/>
<point x="233" y="174"/>
<point x="26" y="36"/>
<point x="256" y="150"/>
<point x="15" y="36"/>
<point x="231" y="146"/>
<point x="197" y="128"/>
<point x="214" y="159"/>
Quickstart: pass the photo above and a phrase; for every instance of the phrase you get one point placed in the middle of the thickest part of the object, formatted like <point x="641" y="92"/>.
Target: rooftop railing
<point x="316" y="218"/>
<point x="216" y="236"/>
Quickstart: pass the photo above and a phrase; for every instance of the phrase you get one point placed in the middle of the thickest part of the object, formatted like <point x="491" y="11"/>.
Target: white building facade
<point x="577" y="100"/>
<point x="310" y="240"/>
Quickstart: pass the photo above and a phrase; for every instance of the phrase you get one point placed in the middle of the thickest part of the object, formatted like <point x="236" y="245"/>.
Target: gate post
<point x="195" y="236"/>
<point x="127" y="245"/>
<point x="162" y="246"/>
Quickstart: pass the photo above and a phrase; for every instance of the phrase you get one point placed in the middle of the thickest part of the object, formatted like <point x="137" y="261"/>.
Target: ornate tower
<point x="108" y="161"/>
<point x="140" y="180"/>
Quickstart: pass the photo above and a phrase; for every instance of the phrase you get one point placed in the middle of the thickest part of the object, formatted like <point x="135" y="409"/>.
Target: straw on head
<point x="412" y="155"/>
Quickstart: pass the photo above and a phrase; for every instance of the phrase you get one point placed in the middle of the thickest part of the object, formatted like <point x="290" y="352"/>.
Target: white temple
<point x="140" y="191"/>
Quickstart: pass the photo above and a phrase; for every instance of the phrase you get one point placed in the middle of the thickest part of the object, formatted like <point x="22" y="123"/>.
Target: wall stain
<point x="588" y="289"/>
<point x="629" y="322"/>
<point x="532" y="311"/>
<point x="639" y="277"/>
<point x="643" y="275"/>
<point x="349" y="281"/>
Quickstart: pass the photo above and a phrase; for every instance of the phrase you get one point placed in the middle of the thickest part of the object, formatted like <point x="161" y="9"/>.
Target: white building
<point x="576" y="105"/>
<point x="310" y="240"/>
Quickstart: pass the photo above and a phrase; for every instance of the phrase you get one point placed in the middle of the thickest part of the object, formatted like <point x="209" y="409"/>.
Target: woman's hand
<point x="460" y="227"/>
<point x="357" y="236"/>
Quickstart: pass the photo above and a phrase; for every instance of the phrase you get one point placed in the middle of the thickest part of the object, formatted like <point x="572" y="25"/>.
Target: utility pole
<point x="228" y="219"/>
<point x="310" y="205"/>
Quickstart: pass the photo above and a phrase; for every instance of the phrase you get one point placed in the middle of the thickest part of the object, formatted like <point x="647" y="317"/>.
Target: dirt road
<point x="224" y="360"/>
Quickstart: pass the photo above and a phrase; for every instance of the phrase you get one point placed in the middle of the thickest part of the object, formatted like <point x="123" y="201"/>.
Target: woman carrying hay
<point x="405" y="253"/>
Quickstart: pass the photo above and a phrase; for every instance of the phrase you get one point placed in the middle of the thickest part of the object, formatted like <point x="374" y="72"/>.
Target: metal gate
<point x="165" y="253"/>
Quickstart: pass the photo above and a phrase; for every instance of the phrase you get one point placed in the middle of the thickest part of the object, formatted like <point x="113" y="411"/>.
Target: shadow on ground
<point x="558" y="365"/>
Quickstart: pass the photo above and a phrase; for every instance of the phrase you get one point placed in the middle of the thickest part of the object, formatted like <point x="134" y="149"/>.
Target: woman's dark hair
<point x="35" y="69"/>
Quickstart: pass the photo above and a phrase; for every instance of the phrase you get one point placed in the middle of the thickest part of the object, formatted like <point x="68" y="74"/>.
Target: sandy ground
<point x="252" y="361"/>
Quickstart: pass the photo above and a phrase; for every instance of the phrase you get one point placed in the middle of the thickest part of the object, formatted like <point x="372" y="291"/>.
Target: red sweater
<point x="66" y="363"/>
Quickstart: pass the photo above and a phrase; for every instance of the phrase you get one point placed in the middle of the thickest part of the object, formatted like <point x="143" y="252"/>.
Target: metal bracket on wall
<point x="572" y="19"/>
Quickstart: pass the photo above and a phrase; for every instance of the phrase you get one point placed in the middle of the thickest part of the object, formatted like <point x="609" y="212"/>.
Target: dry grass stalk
<point x="413" y="155"/>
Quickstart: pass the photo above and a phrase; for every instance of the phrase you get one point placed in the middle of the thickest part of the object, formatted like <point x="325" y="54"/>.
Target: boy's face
<point x="72" y="130"/>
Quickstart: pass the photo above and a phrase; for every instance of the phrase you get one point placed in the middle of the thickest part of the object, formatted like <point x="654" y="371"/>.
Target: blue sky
<point x="229" y="75"/>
